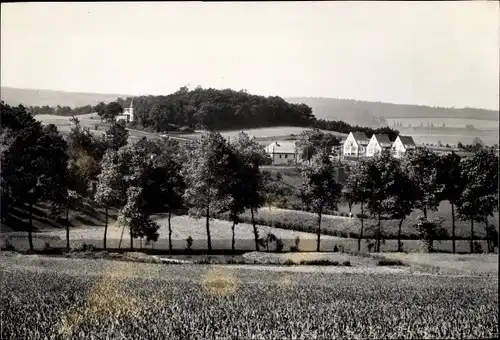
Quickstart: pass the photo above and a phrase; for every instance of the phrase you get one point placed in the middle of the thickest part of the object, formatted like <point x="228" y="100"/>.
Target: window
<point x="280" y="156"/>
<point x="286" y="156"/>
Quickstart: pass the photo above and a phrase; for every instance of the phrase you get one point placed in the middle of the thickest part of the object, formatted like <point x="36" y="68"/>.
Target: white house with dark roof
<point x="401" y="145"/>
<point x="283" y="152"/>
<point x="355" y="145"/>
<point x="377" y="144"/>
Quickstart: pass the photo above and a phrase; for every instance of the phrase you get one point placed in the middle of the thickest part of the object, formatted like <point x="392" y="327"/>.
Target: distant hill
<point x="375" y="114"/>
<point x="31" y="97"/>
<point x="354" y="112"/>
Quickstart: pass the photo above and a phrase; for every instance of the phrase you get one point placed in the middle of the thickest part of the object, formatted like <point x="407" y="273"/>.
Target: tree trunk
<point x="232" y="231"/>
<point x="471" y="235"/>
<point x="105" y="227"/>
<point x="30" y="230"/>
<point x="169" y="230"/>
<point x="131" y="241"/>
<point x="453" y="226"/>
<point x="362" y="227"/>
<point x="121" y="237"/>
<point x="319" y="231"/>
<point x="255" y="231"/>
<point x="425" y="212"/>
<point x="67" y="228"/>
<point x="209" y="241"/>
<point x="399" y="235"/>
<point x="378" y="234"/>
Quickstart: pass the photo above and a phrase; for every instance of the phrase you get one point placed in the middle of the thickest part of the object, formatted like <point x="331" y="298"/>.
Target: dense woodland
<point x="212" y="176"/>
<point x="213" y="109"/>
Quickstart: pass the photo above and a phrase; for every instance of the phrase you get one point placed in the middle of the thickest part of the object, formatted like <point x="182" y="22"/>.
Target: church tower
<point x="129" y="111"/>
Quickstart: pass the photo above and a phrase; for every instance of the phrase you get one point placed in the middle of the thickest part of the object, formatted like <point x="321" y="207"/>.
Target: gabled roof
<point x="407" y="141"/>
<point x="384" y="141"/>
<point x="360" y="137"/>
<point x="281" y="147"/>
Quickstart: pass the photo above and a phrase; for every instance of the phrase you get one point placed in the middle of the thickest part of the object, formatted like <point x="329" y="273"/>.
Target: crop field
<point x="52" y="298"/>
<point x="449" y="122"/>
<point x="264" y="132"/>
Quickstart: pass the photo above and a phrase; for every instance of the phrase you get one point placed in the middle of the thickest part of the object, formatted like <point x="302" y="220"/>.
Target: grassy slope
<point x="31" y="97"/>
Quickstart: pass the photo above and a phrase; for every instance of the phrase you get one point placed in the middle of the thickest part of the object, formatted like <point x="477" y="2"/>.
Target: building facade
<point x="128" y="113"/>
<point x="283" y="152"/>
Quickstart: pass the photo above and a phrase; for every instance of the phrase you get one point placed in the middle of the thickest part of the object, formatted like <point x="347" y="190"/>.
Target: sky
<point x="426" y="53"/>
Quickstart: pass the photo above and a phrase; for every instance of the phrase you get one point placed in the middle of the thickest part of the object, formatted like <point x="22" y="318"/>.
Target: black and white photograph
<point x="249" y="170"/>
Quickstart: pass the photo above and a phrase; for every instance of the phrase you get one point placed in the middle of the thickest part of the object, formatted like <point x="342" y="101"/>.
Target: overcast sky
<point x="428" y="53"/>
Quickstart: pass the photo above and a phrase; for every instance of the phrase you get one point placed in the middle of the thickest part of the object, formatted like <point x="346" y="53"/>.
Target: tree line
<point x="213" y="109"/>
<point x="211" y="176"/>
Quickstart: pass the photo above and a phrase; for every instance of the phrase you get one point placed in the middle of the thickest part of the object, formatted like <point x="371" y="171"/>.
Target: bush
<point x="319" y="262"/>
<point x="346" y="263"/>
<point x="390" y="262"/>
<point x="279" y="245"/>
<point x="289" y="262"/>
<point x="8" y="246"/>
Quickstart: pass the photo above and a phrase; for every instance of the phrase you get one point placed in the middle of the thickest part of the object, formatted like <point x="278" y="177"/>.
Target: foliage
<point x="116" y="136"/>
<point x="312" y="141"/>
<point x="319" y="190"/>
<point x="430" y="231"/>
<point x="421" y="165"/>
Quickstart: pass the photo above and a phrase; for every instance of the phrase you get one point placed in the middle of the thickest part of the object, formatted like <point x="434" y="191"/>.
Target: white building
<point x="283" y="152"/>
<point x="128" y="113"/>
<point x="401" y="145"/>
<point x="377" y="144"/>
<point x="355" y="145"/>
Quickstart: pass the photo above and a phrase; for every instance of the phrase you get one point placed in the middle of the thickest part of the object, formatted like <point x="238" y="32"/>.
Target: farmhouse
<point x="283" y="152"/>
<point x="355" y="145"/>
<point x="377" y="144"/>
<point x="401" y="145"/>
<point x="128" y="113"/>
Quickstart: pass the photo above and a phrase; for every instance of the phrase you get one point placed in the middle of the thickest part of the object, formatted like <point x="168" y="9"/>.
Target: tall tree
<point x="357" y="186"/>
<point x="399" y="201"/>
<point x="112" y="110"/>
<point x="252" y="156"/>
<point x="450" y="179"/>
<point x="164" y="184"/>
<point x="110" y="191"/>
<point x="319" y="190"/>
<point x="479" y="198"/>
<point x="422" y="166"/>
<point x="204" y="170"/>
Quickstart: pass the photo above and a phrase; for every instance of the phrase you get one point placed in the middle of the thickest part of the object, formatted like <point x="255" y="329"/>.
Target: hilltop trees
<point x="319" y="190"/>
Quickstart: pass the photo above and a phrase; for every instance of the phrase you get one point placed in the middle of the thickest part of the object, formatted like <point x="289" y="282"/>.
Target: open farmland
<point x="84" y="299"/>
<point x="90" y="121"/>
<point x="265" y="134"/>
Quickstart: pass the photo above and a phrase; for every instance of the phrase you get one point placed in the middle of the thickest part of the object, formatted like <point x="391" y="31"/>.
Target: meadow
<point x="56" y="298"/>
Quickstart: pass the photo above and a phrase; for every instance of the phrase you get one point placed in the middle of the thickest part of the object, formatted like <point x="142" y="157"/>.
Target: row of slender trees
<point x="212" y="176"/>
<point x="387" y="186"/>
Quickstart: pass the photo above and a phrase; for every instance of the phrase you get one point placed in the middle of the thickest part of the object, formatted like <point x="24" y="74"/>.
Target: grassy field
<point x="345" y="226"/>
<point x="264" y="134"/>
<point x="61" y="298"/>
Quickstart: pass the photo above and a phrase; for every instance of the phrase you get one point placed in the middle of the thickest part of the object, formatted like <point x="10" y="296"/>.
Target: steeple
<point x="132" y="103"/>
